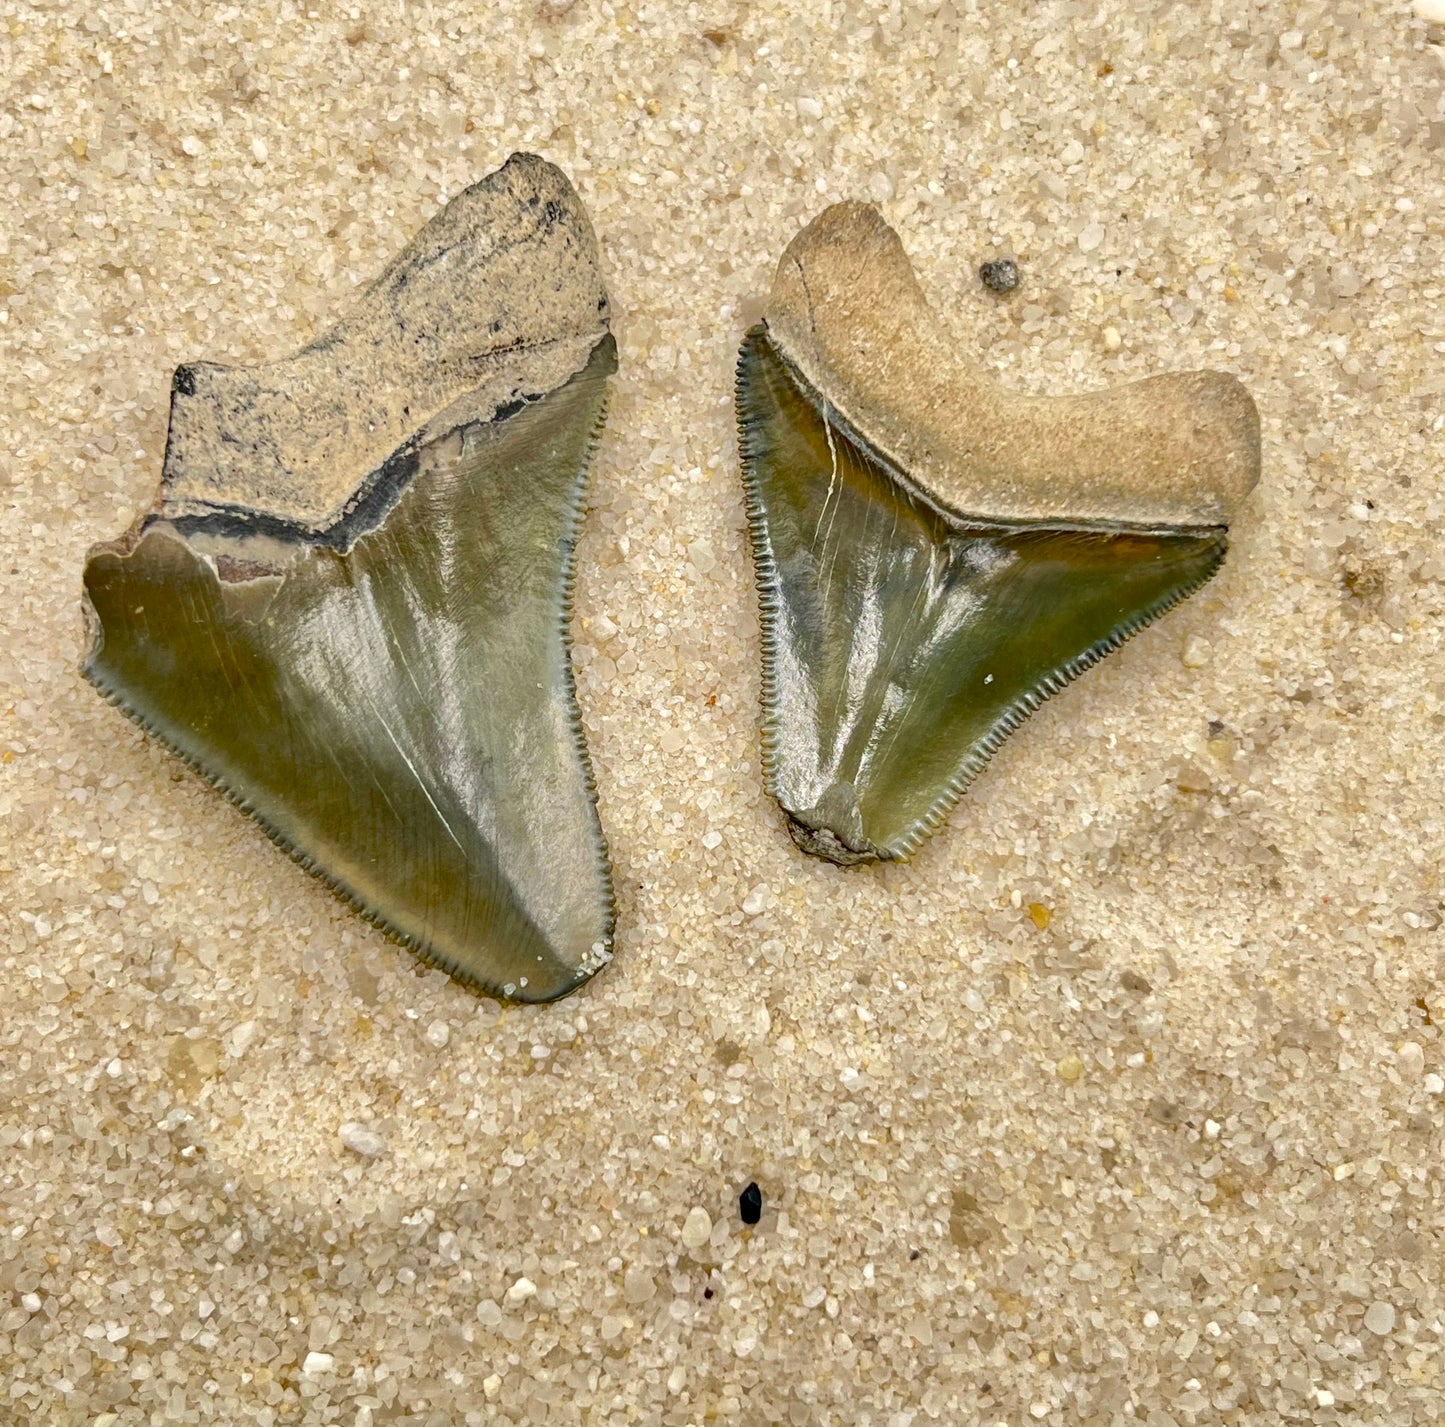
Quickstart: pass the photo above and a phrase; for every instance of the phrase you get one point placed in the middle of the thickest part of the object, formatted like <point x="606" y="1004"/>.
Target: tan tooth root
<point x="847" y="311"/>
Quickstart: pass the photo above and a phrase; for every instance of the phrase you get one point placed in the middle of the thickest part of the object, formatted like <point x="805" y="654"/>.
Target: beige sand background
<point x="1172" y="1157"/>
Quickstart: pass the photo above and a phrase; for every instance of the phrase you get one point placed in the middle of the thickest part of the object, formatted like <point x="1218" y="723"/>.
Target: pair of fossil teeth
<point x="349" y="607"/>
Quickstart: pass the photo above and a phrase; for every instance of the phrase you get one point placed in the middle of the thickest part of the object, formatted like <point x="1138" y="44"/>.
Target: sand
<point x="1121" y="1103"/>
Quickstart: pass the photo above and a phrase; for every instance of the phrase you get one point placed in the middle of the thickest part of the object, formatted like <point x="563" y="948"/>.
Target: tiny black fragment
<point x="1000" y="276"/>
<point x="750" y="1204"/>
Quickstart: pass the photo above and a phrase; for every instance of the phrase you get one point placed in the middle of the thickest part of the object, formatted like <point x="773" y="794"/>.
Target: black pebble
<point x="750" y="1204"/>
<point x="1000" y="276"/>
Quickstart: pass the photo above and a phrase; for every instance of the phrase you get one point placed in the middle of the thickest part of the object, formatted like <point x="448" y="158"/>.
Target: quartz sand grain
<point x="1172" y="1157"/>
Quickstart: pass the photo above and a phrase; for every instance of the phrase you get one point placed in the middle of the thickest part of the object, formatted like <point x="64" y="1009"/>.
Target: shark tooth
<point x="349" y="606"/>
<point x="936" y="555"/>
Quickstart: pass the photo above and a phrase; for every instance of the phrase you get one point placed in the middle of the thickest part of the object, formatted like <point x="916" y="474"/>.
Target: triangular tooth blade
<point x="904" y="638"/>
<point x="902" y="646"/>
<point x="374" y="662"/>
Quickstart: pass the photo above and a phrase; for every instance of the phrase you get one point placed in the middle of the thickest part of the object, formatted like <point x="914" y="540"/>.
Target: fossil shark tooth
<point x="936" y="555"/>
<point x="349" y="606"/>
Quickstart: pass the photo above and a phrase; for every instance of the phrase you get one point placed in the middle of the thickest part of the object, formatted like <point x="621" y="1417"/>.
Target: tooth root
<point x="1179" y="450"/>
<point x="383" y="679"/>
<point x="906" y="635"/>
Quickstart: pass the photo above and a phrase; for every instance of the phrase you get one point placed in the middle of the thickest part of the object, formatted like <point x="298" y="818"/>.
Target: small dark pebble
<point x="1165" y="1111"/>
<point x="1000" y="276"/>
<point x="750" y="1204"/>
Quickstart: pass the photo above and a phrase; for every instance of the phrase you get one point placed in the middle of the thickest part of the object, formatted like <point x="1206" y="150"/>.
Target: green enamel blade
<point x="400" y="716"/>
<point x="349" y="608"/>
<point x="902" y="640"/>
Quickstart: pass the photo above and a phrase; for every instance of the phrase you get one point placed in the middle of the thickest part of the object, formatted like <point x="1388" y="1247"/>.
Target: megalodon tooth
<point x="935" y="554"/>
<point x="349" y="606"/>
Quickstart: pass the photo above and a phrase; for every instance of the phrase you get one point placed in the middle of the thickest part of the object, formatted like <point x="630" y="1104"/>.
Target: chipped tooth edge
<point x="482" y="293"/>
<point x="594" y="959"/>
<point x="766" y="573"/>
